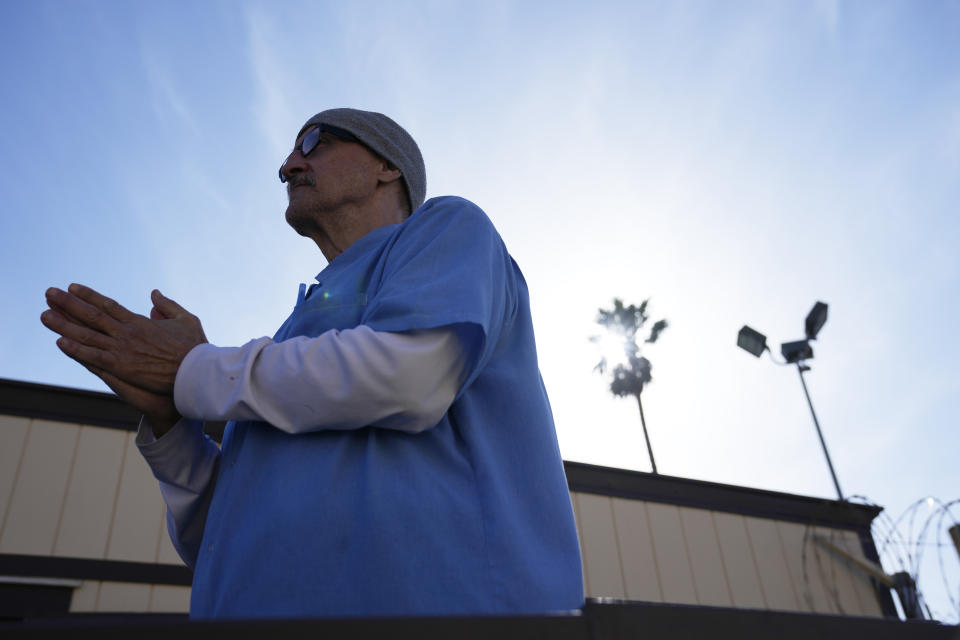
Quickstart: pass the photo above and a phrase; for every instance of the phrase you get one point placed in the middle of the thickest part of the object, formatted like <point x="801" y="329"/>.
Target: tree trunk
<point x="645" y="435"/>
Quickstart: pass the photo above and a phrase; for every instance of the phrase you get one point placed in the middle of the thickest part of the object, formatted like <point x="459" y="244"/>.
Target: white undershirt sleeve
<point x="339" y="380"/>
<point x="185" y="462"/>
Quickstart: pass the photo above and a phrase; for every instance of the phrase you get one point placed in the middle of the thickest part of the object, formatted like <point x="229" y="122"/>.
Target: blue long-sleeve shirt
<point x="471" y="515"/>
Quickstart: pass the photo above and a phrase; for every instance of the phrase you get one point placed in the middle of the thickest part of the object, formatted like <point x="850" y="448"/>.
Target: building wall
<point x="79" y="491"/>
<point x="656" y="552"/>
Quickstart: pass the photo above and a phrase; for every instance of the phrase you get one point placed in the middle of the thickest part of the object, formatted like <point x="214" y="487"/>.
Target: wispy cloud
<point x="272" y="110"/>
<point x="166" y="98"/>
<point x="198" y="179"/>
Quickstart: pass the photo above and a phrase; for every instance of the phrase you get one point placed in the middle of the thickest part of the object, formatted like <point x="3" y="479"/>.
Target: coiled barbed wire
<point x="903" y="545"/>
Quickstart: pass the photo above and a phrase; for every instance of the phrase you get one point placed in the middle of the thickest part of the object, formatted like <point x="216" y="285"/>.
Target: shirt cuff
<point x="163" y="454"/>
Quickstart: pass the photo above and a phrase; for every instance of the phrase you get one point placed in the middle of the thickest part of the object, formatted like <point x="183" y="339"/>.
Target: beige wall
<point x="85" y="492"/>
<point x="94" y="596"/>
<point x="78" y="491"/>
<point x="665" y="553"/>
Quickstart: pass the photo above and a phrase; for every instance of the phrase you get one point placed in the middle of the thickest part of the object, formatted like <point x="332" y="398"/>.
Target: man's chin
<point x="297" y="220"/>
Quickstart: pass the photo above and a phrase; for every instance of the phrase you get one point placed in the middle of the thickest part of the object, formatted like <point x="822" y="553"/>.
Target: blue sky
<point x="733" y="161"/>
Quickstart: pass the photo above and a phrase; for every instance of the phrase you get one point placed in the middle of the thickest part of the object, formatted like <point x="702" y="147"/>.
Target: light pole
<point x="797" y="352"/>
<point x="801" y="368"/>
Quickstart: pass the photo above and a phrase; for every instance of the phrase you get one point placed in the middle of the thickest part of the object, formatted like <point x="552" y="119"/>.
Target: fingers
<point x="118" y="386"/>
<point x="109" y="306"/>
<point x="69" y="328"/>
<point x="85" y="355"/>
<point x="101" y="334"/>
<point x="124" y="389"/>
<point x="165" y="306"/>
<point x="84" y="313"/>
<point x="152" y="404"/>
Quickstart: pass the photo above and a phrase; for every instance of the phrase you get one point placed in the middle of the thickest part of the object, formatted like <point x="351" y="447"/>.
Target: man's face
<point x="333" y="178"/>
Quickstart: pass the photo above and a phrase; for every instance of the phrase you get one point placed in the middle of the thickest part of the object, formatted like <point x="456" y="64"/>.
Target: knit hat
<point x="385" y="138"/>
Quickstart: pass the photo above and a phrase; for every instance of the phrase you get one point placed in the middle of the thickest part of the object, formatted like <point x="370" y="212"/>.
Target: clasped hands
<point x="136" y="356"/>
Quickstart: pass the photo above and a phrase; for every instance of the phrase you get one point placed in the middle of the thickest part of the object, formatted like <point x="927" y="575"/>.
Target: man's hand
<point x="127" y="350"/>
<point x="159" y="410"/>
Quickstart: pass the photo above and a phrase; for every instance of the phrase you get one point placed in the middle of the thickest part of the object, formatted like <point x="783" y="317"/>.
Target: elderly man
<point x="391" y="450"/>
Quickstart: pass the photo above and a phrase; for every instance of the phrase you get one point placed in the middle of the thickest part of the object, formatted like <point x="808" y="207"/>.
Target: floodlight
<point x="750" y="340"/>
<point x="815" y="320"/>
<point x="796" y="351"/>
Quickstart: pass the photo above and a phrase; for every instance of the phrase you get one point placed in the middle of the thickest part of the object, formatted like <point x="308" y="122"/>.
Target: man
<point x="391" y="451"/>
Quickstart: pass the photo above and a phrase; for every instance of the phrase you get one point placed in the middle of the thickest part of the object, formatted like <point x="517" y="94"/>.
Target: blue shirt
<point x="472" y="516"/>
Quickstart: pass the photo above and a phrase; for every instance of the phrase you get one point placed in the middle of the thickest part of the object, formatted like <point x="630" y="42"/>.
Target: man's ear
<point x="388" y="172"/>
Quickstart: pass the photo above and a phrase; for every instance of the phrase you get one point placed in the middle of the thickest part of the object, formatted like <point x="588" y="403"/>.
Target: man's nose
<point x="293" y="165"/>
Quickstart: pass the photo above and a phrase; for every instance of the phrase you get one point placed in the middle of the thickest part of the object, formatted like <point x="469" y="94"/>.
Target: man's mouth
<point x="304" y="181"/>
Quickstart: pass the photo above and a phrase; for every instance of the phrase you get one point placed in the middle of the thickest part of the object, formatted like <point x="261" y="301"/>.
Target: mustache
<point x="297" y="180"/>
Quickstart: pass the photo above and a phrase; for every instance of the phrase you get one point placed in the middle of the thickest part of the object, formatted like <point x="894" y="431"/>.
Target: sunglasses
<point x="311" y="139"/>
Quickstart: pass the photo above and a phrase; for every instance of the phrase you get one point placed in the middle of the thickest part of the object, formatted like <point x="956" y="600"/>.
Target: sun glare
<point x="610" y="346"/>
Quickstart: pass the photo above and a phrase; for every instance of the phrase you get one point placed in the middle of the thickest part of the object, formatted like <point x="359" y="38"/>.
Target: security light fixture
<point x="796" y="351"/>
<point x="751" y="340"/>
<point x="815" y="320"/>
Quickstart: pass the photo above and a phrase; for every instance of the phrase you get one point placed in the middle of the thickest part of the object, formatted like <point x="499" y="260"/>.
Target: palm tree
<point x="631" y="370"/>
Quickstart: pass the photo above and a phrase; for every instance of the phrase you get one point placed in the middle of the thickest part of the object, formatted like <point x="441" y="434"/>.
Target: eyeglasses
<point x="311" y="139"/>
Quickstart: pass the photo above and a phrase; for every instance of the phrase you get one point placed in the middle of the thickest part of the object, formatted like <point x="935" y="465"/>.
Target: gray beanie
<point x="385" y="138"/>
